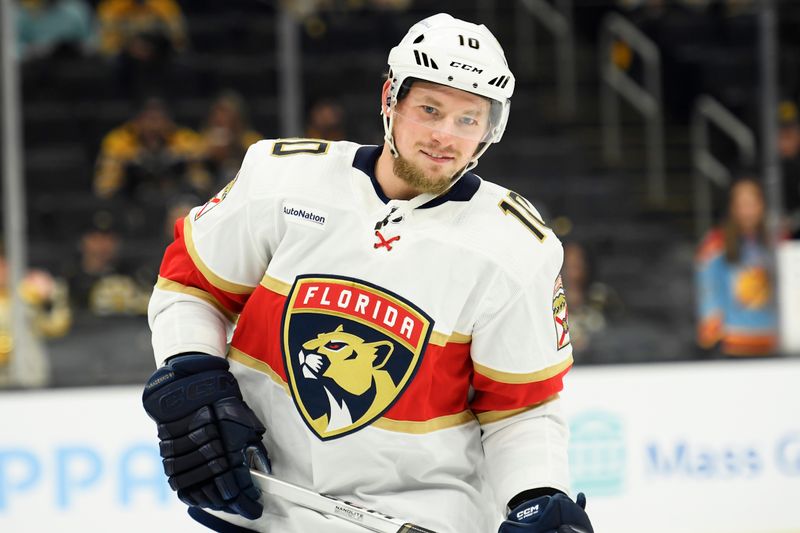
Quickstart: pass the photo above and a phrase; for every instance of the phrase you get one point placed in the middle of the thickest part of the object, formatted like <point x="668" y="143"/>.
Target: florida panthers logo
<point x="560" y="314"/>
<point x="350" y="350"/>
<point x="221" y="195"/>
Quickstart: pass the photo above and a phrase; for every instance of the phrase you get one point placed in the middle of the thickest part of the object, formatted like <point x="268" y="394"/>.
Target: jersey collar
<point x="463" y="190"/>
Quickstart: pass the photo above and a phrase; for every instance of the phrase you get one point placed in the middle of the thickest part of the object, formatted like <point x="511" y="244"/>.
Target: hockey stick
<point x="366" y="518"/>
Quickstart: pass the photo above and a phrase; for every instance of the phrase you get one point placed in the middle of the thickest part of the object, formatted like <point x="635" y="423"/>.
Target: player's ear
<point x="386" y="97"/>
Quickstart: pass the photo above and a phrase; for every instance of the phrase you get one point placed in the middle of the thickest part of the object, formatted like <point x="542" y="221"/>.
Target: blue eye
<point x="469" y="121"/>
<point x="428" y="109"/>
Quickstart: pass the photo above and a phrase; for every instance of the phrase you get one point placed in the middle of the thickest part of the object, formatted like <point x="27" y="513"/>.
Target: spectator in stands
<point x="53" y="27"/>
<point x="46" y="298"/>
<point x="149" y="159"/>
<point x="178" y="207"/>
<point x="144" y="36"/>
<point x="100" y="283"/>
<point x="591" y="303"/>
<point x="226" y="137"/>
<point x="789" y="149"/>
<point x="141" y="27"/>
<point x="326" y="120"/>
<point x="734" y="288"/>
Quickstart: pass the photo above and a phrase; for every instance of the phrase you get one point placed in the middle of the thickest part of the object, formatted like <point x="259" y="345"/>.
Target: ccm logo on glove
<point x="196" y="391"/>
<point x="549" y="514"/>
<point x="528" y="512"/>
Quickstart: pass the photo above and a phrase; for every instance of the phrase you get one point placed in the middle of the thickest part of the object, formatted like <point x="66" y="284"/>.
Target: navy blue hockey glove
<point x="549" y="514"/>
<point x="208" y="434"/>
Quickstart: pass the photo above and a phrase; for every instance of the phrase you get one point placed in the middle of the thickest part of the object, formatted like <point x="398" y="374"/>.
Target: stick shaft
<point x="367" y="518"/>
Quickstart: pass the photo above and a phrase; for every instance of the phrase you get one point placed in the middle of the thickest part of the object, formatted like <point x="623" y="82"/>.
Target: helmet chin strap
<point x="388" y="125"/>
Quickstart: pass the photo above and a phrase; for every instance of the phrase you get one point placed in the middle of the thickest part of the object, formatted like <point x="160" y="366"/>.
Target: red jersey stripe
<point x="443" y="378"/>
<point x="179" y="267"/>
<point x="258" y="333"/>
<point x="492" y="395"/>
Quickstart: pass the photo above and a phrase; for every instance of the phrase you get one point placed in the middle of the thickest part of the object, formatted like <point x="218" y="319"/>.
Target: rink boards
<point x="695" y="448"/>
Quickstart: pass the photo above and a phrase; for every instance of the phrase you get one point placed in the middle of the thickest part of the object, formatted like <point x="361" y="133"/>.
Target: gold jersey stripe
<point x="214" y="279"/>
<point x="276" y="285"/>
<point x="530" y="377"/>
<point x="495" y="416"/>
<point x="460" y="338"/>
<point x="440" y="339"/>
<point x="260" y="366"/>
<point x="174" y="286"/>
<point x="425" y="426"/>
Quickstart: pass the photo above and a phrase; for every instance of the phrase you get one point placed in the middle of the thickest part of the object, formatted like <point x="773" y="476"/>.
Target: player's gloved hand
<point x="208" y="434"/>
<point x="549" y="514"/>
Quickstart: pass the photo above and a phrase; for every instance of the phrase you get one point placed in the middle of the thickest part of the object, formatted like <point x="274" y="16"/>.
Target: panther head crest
<point x="351" y="372"/>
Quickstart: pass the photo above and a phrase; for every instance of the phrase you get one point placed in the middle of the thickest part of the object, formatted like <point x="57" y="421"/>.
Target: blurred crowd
<point x="151" y="169"/>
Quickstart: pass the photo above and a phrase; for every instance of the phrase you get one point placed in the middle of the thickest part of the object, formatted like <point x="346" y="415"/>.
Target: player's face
<point x="437" y="129"/>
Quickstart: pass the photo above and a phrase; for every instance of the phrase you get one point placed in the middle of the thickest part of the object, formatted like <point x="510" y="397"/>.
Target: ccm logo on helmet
<point x="464" y="66"/>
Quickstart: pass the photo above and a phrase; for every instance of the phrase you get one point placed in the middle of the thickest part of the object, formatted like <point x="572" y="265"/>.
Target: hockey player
<point x="400" y="324"/>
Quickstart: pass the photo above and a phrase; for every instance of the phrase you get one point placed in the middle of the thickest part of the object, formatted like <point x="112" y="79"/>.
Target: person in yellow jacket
<point x="129" y="24"/>
<point x="226" y="136"/>
<point x="150" y="154"/>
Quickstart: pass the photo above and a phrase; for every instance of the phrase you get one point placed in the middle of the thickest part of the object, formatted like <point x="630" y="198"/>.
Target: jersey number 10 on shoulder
<point x="522" y="210"/>
<point x="300" y="146"/>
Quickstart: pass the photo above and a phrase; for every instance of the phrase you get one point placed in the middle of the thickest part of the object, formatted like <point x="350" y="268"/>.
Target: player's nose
<point x="442" y="138"/>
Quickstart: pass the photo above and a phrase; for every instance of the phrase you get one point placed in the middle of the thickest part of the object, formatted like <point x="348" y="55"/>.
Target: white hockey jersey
<point x="406" y="360"/>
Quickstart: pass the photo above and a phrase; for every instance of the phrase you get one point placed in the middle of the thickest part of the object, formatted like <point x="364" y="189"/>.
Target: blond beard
<point x="416" y="177"/>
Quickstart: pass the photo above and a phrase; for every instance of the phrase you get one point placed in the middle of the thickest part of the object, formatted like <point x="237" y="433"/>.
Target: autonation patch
<point x="306" y="216"/>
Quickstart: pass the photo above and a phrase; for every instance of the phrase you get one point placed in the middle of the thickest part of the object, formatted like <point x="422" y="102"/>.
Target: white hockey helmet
<point x="459" y="54"/>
